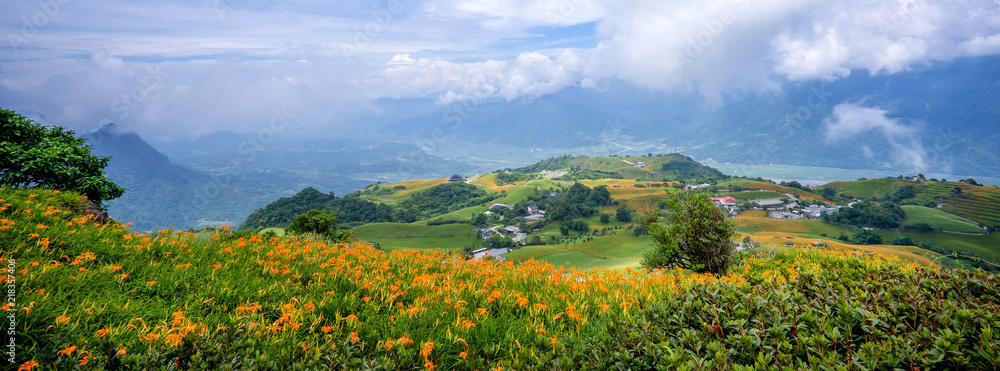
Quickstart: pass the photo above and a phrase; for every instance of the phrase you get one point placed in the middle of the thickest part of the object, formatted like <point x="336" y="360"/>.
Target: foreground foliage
<point x="97" y="296"/>
<point x="55" y="158"/>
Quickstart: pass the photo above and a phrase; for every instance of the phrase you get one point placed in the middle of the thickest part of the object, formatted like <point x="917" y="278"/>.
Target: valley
<point x="608" y="236"/>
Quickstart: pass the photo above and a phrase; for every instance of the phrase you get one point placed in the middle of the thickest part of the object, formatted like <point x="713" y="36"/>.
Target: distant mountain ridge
<point x="944" y="119"/>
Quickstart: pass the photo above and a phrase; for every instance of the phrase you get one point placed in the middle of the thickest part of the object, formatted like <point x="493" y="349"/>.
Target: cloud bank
<point x="851" y="120"/>
<point x="227" y="64"/>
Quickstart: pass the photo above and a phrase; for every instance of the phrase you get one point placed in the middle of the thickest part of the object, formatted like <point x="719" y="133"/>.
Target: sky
<point x="185" y="68"/>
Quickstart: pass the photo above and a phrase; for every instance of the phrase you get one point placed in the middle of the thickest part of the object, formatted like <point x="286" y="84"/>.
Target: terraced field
<point x="979" y="204"/>
<point x="868" y="188"/>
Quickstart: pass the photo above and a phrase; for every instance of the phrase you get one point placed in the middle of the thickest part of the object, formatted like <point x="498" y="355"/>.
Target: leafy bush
<point x="623" y="214"/>
<point x="35" y="156"/>
<point x="863" y="236"/>
<point x="902" y="240"/>
<point x="697" y="235"/>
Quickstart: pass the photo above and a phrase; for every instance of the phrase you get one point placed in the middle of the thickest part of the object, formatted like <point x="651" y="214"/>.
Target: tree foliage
<point x="697" y="235"/>
<point x="863" y="236"/>
<point x="320" y="222"/>
<point x="872" y="214"/>
<point x="35" y="156"/>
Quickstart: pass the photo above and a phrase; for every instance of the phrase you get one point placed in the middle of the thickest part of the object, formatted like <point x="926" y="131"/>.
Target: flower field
<point x="102" y="296"/>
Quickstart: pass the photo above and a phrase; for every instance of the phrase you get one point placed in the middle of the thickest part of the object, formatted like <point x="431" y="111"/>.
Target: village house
<point x="497" y="254"/>
<point x="724" y="201"/>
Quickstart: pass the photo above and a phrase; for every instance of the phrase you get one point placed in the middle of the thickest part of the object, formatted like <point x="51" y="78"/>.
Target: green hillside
<point x="938" y="219"/>
<point x="981" y="204"/>
<point x="670" y="167"/>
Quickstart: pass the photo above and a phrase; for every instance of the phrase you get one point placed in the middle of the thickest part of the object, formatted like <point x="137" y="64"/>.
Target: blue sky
<point x="190" y="67"/>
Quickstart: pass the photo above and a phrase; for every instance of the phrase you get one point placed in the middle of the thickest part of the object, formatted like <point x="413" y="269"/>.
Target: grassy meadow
<point x="938" y="219"/>
<point x="93" y="296"/>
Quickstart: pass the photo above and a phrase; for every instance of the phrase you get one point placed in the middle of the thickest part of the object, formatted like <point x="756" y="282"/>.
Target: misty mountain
<point x="160" y="194"/>
<point x="940" y="118"/>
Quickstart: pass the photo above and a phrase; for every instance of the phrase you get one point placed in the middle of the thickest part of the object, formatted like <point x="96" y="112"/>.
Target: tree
<point x="623" y="214"/>
<point x="828" y="193"/>
<point x="320" y="222"/>
<point x="605" y="218"/>
<point x="902" y="240"/>
<point x="35" y="156"/>
<point x="315" y="221"/>
<point x="863" y="236"/>
<point x="697" y="235"/>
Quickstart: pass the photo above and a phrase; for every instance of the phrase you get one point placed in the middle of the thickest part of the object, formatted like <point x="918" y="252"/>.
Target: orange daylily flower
<point x="67" y="351"/>
<point x="27" y="366"/>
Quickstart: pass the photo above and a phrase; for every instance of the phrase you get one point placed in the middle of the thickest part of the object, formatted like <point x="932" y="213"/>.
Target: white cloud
<point x="721" y="46"/>
<point x="531" y="74"/>
<point x="850" y="120"/>
<point x="222" y="70"/>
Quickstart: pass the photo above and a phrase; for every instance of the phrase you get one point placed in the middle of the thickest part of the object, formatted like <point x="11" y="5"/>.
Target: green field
<point x="400" y="236"/>
<point x="979" y="204"/>
<point x="615" y="251"/>
<point x="938" y="219"/>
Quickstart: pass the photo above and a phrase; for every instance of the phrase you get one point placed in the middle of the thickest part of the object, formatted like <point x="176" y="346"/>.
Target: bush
<point x="902" y="240"/>
<point x="320" y="222"/>
<point x="863" y="236"/>
<point x="34" y="156"/>
<point x="623" y="214"/>
<point x="697" y="235"/>
<point x="605" y="218"/>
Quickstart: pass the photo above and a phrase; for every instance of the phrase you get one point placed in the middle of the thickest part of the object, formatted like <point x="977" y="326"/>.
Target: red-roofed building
<point x="725" y="201"/>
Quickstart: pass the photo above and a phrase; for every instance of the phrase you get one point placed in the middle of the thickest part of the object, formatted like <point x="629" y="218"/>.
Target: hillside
<point x="671" y="167"/>
<point x="368" y="205"/>
<point x="162" y="194"/>
<point x="980" y="204"/>
<point x="235" y="299"/>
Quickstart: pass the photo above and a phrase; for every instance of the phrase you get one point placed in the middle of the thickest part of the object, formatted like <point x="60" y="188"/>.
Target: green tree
<point x="697" y="235"/>
<point x="623" y="214"/>
<point x="828" y="193"/>
<point x="902" y="240"/>
<point x="605" y="218"/>
<point x="863" y="236"/>
<point x="35" y="156"/>
<point x="320" y="222"/>
<point x="315" y="221"/>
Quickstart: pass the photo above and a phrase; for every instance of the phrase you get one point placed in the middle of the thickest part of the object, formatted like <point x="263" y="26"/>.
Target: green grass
<point x="985" y="246"/>
<point x="938" y="219"/>
<point x="96" y="297"/>
<point x="615" y="251"/>
<point x="400" y="236"/>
